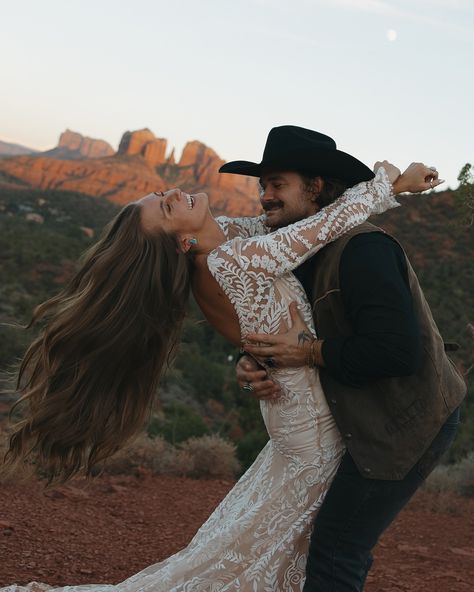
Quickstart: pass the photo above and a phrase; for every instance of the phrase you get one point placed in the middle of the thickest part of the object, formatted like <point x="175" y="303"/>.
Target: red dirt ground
<point x="108" y="529"/>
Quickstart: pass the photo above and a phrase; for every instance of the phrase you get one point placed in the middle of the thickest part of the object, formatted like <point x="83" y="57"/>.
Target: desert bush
<point x="457" y="478"/>
<point x="440" y="481"/>
<point x="211" y="456"/>
<point x="208" y="456"/>
<point x="141" y="453"/>
<point x="465" y="476"/>
<point x="18" y="472"/>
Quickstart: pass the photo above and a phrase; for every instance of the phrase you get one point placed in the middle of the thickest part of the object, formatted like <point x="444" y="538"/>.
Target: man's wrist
<point x="314" y="356"/>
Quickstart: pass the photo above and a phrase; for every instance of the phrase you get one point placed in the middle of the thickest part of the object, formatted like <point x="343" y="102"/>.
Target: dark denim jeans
<point x="355" y="513"/>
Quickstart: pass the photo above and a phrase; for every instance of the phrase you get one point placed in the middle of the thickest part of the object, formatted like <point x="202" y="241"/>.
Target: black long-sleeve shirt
<point x="375" y="292"/>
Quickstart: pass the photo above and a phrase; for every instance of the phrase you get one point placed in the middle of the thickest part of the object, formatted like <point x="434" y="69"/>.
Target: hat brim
<point x="326" y="163"/>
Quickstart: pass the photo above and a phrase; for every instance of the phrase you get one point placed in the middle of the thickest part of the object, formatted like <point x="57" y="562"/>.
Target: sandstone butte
<point x="139" y="166"/>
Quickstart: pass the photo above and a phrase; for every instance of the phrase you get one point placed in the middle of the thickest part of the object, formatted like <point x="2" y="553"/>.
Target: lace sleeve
<point x="243" y="227"/>
<point x="273" y="255"/>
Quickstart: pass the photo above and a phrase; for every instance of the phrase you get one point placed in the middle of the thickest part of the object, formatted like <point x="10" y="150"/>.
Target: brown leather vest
<point x="388" y="424"/>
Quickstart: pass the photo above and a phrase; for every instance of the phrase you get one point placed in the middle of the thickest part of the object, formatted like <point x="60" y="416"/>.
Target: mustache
<point x="270" y="205"/>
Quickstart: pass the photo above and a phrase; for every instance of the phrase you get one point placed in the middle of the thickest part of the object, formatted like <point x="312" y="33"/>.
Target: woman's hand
<point x="392" y="171"/>
<point x="254" y="380"/>
<point x="416" y="178"/>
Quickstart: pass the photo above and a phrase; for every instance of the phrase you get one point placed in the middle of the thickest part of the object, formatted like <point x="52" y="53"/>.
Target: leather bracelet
<point x="309" y="358"/>
<point x="316" y="353"/>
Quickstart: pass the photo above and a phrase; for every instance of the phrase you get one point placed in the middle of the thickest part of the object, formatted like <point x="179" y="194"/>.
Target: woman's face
<point x="174" y="212"/>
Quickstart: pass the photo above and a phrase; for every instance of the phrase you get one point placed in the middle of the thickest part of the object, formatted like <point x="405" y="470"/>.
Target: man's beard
<point x="281" y="216"/>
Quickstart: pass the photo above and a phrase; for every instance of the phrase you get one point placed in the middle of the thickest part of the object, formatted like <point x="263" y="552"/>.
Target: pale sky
<point x="386" y="79"/>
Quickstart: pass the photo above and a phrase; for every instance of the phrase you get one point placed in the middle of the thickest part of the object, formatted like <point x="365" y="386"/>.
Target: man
<point x="392" y="390"/>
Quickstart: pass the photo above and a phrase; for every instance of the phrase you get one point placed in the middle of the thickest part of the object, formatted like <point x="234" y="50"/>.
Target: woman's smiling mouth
<point x="190" y="200"/>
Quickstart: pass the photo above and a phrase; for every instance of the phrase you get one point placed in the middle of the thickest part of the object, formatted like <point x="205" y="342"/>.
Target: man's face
<point x="284" y="198"/>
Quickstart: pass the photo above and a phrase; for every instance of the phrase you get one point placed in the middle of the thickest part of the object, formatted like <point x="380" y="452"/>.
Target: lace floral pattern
<point x="246" y="268"/>
<point x="257" y="538"/>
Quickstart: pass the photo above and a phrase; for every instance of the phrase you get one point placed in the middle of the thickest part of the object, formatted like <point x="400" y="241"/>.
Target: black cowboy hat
<point x="306" y="151"/>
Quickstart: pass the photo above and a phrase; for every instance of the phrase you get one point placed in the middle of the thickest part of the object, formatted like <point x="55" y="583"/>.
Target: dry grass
<point x="141" y="453"/>
<point x="205" y="457"/>
<point x="208" y="456"/>
<point x="465" y="475"/>
<point x="457" y="478"/>
<point x="17" y="472"/>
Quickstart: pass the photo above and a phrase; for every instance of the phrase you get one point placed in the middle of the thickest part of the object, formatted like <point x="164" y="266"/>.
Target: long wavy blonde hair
<point x="87" y="382"/>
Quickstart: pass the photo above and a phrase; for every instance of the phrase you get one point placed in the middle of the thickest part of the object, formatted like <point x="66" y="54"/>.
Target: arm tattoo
<point x="303" y="337"/>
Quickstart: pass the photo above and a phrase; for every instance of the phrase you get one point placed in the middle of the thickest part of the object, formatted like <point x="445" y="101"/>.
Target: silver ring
<point x="247" y="387"/>
<point x="432" y="168"/>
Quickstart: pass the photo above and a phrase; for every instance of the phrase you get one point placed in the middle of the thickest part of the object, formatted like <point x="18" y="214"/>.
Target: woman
<point x="90" y="376"/>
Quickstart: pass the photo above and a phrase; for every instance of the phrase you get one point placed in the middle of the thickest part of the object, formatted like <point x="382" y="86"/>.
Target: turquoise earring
<point x="193" y="241"/>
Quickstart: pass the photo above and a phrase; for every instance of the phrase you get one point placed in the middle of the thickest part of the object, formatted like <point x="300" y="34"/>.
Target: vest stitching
<point x="324" y="296"/>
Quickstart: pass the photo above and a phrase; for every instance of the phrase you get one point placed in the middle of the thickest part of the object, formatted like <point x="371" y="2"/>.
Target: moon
<point x="391" y="35"/>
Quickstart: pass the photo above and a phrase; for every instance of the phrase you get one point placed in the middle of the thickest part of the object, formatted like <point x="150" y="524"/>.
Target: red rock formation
<point x="154" y="152"/>
<point x="120" y="180"/>
<point x="144" y="143"/>
<point x="134" y="142"/>
<point x="83" y="146"/>
<point x="235" y="194"/>
<point x="132" y="173"/>
<point x="171" y="158"/>
<point x="196" y="154"/>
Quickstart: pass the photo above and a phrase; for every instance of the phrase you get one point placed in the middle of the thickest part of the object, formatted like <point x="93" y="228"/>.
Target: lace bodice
<point x="247" y="266"/>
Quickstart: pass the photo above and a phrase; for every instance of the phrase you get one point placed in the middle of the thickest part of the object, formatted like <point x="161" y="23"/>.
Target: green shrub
<point x="178" y="423"/>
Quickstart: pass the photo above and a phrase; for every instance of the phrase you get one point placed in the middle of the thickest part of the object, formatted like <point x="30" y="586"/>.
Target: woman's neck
<point x="210" y="237"/>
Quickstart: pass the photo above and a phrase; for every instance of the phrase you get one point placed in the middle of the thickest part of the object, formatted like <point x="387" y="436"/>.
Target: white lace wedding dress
<point x="257" y="538"/>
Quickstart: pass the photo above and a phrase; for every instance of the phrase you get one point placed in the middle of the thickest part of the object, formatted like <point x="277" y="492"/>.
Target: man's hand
<point x="290" y="349"/>
<point x="249" y="373"/>
<point x="416" y="178"/>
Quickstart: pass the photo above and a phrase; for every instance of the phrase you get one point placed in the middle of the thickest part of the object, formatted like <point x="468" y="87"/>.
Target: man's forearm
<point x="358" y="360"/>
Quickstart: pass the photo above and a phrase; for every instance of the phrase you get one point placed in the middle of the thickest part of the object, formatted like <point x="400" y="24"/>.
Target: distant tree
<point x="465" y="194"/>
